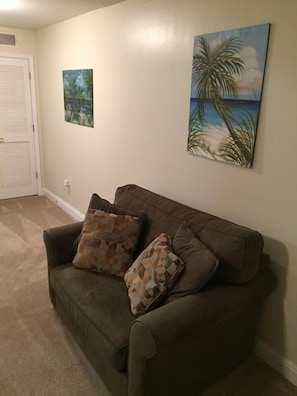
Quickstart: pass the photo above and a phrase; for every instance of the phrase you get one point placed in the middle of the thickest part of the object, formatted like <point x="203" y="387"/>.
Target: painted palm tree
<point x="214" y="69"/>
<point x="244" y="129"/>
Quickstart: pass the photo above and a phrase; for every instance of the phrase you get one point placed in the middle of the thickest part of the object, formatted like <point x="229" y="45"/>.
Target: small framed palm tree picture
<point x="226" y="89"/>
<point x="78" y="97"/>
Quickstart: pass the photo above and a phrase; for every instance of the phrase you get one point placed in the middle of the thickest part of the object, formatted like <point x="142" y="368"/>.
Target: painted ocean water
<point x="239" y="109"/>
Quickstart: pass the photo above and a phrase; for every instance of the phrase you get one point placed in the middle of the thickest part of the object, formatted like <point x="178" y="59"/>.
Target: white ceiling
<point x="36" y="14"/>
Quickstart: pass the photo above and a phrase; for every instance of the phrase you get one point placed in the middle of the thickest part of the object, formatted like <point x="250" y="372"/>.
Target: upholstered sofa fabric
<point x="200" y="264"/>
<point x="101" y="305"/>
<point x="99" y="203"/>
<point x="185" y="343"/>
<point x="238" y="248"/>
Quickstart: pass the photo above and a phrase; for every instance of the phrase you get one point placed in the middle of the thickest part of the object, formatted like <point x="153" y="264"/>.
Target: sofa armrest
<point x="182" y="347"/>
<point x="59" y="243"/>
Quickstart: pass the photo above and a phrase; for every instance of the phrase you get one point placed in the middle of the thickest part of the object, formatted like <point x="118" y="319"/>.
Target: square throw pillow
<point x="152" y="274"/>
<point x="98" y="203"/>
<point x="200" y="263"/>
<point x="107" y="242"/>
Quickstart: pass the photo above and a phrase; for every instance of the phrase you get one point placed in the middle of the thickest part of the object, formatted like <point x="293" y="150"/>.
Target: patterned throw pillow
<point x="107" y="242"/>
<point x="152" y="274"/>
<point x="98" y="203"/>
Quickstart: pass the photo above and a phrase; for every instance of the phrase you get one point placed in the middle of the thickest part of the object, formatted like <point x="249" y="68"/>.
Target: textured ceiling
<point x="36" y="14"/>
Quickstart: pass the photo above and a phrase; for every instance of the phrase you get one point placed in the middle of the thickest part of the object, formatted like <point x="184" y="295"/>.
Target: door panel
<point x="17" y="151"/>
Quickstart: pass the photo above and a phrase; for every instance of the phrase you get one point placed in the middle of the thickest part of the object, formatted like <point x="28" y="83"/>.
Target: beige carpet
<point x="37" y="355"/>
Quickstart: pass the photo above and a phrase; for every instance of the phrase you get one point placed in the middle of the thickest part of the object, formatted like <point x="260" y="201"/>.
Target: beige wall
<point x="141" y="54"/>
<point x="25" y="41"/>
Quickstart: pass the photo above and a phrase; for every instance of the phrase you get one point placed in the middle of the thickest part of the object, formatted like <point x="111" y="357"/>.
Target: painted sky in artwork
<point x="254" y="40"/>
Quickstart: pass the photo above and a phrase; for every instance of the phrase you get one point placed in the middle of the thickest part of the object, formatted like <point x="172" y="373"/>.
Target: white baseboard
<point x="64" y="205"/>
<point x="279" y="363"/>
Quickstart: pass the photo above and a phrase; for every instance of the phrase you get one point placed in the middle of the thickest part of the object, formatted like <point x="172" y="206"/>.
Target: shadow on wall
<point x="272" y="331"/>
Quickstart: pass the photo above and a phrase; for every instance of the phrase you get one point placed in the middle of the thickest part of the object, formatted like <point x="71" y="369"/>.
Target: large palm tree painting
<point x="227" y="80"/>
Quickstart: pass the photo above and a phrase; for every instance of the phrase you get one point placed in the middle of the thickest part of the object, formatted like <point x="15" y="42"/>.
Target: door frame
<point x="34" y="111"/>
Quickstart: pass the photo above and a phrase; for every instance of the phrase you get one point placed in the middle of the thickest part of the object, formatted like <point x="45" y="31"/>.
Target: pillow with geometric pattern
<point x="98" y="203"/>
<point x="107" y="242"/>
<point x="152" y="275"/>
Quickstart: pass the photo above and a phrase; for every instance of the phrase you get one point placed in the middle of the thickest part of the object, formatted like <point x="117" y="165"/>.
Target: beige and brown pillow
<point x="98" y="203"/>
<point x="152" y="274"/>
<point x="107" y="242"/>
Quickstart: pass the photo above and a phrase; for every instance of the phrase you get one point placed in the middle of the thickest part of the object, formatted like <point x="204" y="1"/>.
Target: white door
<point x="18" y="176"/>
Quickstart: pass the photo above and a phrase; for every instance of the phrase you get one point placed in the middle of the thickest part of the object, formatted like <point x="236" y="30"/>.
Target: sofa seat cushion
<point x="101" y="306"/>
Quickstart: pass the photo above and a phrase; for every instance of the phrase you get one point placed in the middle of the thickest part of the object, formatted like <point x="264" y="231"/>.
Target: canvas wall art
<point x="78" y="96"/>
<point x="226" y="89"/>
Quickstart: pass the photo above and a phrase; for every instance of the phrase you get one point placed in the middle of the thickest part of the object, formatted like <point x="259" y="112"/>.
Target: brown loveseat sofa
<point x="184" y="345"/>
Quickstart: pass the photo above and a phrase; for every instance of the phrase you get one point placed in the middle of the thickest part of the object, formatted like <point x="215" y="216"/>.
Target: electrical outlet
<point x="67" y="183"/>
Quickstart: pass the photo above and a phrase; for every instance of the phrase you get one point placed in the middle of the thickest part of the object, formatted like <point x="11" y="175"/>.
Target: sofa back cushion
<point x="238" y="248"/>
